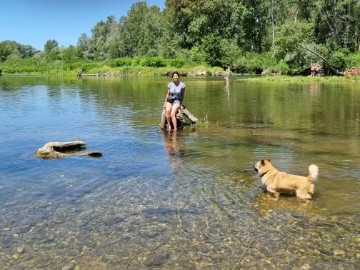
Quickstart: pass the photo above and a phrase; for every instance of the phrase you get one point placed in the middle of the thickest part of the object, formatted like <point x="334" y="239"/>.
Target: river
<point x="184" y="200"/>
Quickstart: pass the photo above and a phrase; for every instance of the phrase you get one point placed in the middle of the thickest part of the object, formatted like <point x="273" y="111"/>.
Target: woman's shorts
<point x="170" y="100"/>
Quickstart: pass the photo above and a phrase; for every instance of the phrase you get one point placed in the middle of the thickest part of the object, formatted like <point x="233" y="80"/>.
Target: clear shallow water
<point x="189" y="200"/>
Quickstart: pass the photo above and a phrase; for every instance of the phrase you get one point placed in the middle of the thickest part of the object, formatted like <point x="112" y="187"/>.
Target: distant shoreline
<point x="191" y="72"/>
<point x="233" y="77"/>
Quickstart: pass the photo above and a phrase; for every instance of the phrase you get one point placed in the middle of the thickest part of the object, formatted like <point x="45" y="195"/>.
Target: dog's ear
<point x="268" y="159"/>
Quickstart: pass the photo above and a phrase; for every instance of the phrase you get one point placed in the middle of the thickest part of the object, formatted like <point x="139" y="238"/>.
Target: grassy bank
<point x="298" y="79"/>
<point x="192" y="71"/>
<point x="124" y="71"/>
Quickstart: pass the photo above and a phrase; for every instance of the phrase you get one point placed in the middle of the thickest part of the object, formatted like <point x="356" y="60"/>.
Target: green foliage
<point x="51" y="50"/>
<point x="255" y="62"/>
<point x="26" y="50"/>
<point x="337" y="60"/>
<point x="7" y="48"/>
<point x="87" y="66"/>
<point x="197" y="55"/>
<point x="153" y="61"/>
<point x="136" y="61"/>
<point x="282" y="68"/>
<point x="211" y="45"/>
<point x="69" y="54"/>
<point x="289" y="36"/>
<point x="11" y="49"/>
<point x="204" y="120"/>
<point x="28" y="65"/>
<point x="352" y="60"/>
<point x="120" y="62"/>
<point x="194" y="20"/>
<point x="218" y="33"/>
<point x="177" y="62"/>
<point x="231" y="52"/>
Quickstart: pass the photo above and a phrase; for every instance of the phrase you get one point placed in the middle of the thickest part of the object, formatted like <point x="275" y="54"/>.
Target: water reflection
<point x="175" y="150"/>
<point x="267" y="203"/>
<point x="314" y="90"/>
<point x="227" y="85"/>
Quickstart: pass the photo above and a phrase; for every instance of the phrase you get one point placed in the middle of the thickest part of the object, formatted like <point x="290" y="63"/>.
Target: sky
<point x="33" y="22"/>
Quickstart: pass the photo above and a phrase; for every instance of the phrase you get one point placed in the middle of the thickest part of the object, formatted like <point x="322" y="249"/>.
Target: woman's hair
<point x="175" y="72"/>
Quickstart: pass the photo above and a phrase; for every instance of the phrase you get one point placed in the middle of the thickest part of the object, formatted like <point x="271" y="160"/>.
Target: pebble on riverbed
<point x="338" y="252"/>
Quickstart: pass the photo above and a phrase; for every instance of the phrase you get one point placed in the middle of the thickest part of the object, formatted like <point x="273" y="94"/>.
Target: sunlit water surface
<point x="185" y="200"/>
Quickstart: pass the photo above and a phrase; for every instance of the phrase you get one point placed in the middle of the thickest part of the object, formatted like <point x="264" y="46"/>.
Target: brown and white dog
<point x="277" y="182"/>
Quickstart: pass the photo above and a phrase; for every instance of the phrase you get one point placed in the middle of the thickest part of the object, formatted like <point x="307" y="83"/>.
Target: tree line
<point x="282" y="36"/>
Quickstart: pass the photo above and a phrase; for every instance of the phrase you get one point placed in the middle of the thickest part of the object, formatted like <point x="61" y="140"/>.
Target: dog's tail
<point x="313" y="172"/>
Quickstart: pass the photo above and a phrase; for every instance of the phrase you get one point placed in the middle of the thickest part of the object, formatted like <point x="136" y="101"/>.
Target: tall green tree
<point x="337" y="22"/>
<point x="142" y="30"/>
<point x="8" y="48"/>
<point x="194" y="20"/>
<point x="218" y="32"/>
<point x="212" y="46"/>
<point x="51" y="50"/>
<point x="69" y="54"/>
<point x="256" y="27"/>
<point x="150" y="32"/>
<point x="27" y="50"/>
<point x="83" y="46"/>
<point x="290" y="36"/>
<point x="98" y="44"/>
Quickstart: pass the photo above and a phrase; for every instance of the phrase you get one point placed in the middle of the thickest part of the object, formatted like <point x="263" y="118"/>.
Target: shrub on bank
<point x="353" y="60"/>
<point x="153" y="61"/>
<point x="177" y="62"/>
<point x="120" y="62"/>
<point x="250" y="63"/>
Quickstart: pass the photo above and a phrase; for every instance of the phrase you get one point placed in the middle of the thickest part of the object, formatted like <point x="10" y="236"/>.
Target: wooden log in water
<point x="182" y="111"/>
<point x="64" y="149"/>
<point x="187" y="113"/>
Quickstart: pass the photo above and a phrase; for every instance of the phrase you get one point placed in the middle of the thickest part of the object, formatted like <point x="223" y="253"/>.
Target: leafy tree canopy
<point x="217" y="33"/>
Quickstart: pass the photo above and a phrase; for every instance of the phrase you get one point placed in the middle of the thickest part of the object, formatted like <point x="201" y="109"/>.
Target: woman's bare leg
<point x="168" y="114"/>
<point x="174" y="110"/>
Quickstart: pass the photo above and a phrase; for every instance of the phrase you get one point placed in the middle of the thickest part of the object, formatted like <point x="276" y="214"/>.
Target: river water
<point x="185" y="200"/>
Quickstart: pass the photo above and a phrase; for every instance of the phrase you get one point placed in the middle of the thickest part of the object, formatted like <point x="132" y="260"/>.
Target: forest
<point x="248" y="36"/>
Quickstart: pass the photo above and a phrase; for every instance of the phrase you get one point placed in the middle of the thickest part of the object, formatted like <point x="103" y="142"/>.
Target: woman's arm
<point x="166" y="97"/>
<point x="182" y="96"/>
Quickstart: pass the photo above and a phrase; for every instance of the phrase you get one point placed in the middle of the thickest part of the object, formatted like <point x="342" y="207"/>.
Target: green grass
<point x="300" y="79"/>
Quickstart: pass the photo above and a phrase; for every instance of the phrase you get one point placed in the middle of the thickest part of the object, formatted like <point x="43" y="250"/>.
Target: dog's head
<point x="262" y="166"/>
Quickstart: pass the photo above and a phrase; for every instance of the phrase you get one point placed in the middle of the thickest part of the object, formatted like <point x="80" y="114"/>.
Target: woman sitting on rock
<point x="173" y="100"/>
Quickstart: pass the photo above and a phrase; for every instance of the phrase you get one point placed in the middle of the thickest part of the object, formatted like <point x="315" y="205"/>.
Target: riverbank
<point x="298" y="79"/>
<point x="197" y="72"/>
<point x="107" y="71"/>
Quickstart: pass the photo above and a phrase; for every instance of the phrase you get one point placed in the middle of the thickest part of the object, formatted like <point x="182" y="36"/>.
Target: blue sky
<point x="33" y="22"/>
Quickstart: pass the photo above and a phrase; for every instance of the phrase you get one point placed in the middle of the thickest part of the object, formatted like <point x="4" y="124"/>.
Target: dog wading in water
<point x="277" y="182"/>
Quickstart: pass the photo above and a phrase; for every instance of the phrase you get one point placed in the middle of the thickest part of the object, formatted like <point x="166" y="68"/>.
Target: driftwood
<point x="182" y="111"/>
<point x="64" y="149"/>
<point x="315" y="69"/>
<point x="324" y="59"/>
